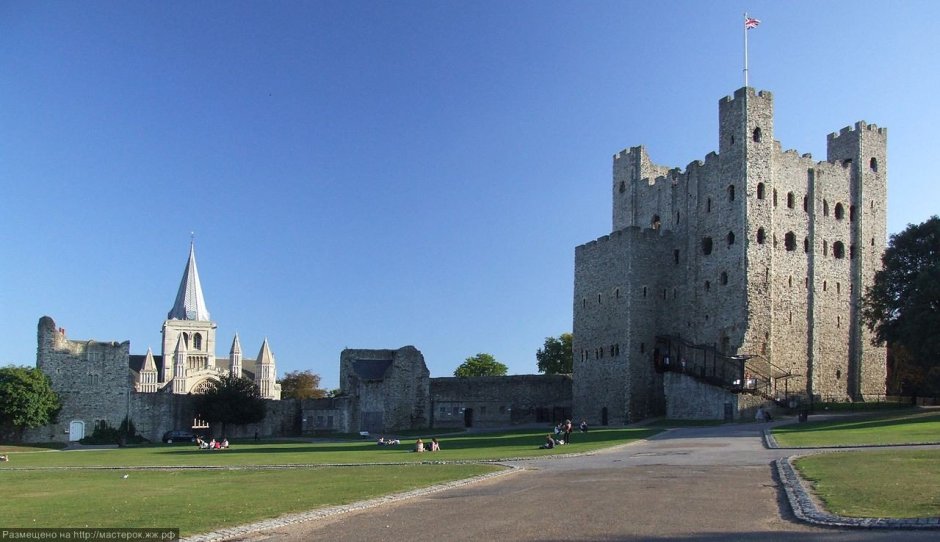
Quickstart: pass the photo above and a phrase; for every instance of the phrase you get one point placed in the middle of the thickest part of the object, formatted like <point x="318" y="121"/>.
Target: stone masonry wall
<point x="497" y="401"/>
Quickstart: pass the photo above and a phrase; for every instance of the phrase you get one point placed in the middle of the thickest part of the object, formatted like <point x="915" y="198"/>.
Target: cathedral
<point x="188" y="363"/>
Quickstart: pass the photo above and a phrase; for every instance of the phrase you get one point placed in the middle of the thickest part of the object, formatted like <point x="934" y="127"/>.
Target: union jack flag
<point x="750" y="23"/>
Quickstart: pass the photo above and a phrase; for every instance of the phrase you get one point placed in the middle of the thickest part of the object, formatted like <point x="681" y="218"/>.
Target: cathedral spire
<point x="190" y="304"/>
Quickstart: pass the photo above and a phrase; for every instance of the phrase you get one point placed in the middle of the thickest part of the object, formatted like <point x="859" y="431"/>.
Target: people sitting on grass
<point x="419" y="446"/>
<point x="381" y="441"/>
<point x="212" y="444"/>
<point x="224" y="444"/>
<point x="4" y="457"/>
<point x="583" y="426"/>
<point x="435" y="445"/>
<point x="550" y="442"/>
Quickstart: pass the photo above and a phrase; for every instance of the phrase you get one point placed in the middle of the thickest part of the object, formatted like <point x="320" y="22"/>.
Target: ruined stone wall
<point x="496" y="401"/>
<point x="327" y="414"/>
<point x="399" y="396"/>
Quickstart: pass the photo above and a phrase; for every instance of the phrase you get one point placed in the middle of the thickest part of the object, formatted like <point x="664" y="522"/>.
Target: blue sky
<point x="379" y="174"/>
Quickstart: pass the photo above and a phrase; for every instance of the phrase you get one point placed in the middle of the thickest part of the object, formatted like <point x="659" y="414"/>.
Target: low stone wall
<point x="691" y="399"/>
<point x="497" y="401"/>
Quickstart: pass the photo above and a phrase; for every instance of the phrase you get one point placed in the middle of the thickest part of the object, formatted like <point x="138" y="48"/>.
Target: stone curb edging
<point x="771" y="442"/>
<point x="320" y="513"/>
<point x="805" y="509"/>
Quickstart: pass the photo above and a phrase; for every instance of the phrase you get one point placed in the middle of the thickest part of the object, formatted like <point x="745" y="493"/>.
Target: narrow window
<point x="790" y="200"/>
<point x="851" y="213"/>
<point x="756" y="135"/>
<point x="840" y="211"/>
<point x="732" y="140"/>
<point x="623" y="187"/>
<point x="598" y="299"/>
<point x="708" y="205"/>
<point x="790" y="281"/>
<point x="760" y="190"/>
<point x="677" y="217"/>
<point x="760" y="236"/>
<point x="825" y="285"/>
<point x="873" y="164"/>
<point x="805" y="204"/>
<point x="825" y="248"/>
<point x="825" y="208"/>
<point x="730" y="238"/>
<point x="617" y="293"/>
<point x="655" y="222"/>
<point x="724" y="278"/>
<point x="708" y="285"/>
<point x="642" y="348"/>
<point x="851" y="252"/>
<point x="644" y="291"/>
<point x="730" y="192"/>
<point x="789" y="241"/>
<point x="675" y="256"/>
<point x="775" y="197"/>
<point x="838" y="250"/>
<point x="706" y="245"/>
<point x="838" y="287"/>
<point x="806" y="245"/>
<point x="197" y="341"/>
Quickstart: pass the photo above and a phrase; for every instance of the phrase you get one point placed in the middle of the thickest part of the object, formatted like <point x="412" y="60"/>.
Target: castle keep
<point x="744" y="272"/>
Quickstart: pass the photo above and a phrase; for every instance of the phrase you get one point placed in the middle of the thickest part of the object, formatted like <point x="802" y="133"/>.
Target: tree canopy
<point x="481" y="365"/>
<point x="26" y="399"/>
<point x="301" y="385"/>
<point x="231" y="400"/>
<point x="555" y="356"/>
<point x="902" y="307"/>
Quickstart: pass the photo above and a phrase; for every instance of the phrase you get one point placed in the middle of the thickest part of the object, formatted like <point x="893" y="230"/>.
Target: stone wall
<point x="498" y="401"/>
<point x="691" y="399"/>
<point x="388" y="389"/>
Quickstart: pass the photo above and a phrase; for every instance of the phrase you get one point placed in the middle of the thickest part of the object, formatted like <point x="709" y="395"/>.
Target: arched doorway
<point x="76" y="430"/>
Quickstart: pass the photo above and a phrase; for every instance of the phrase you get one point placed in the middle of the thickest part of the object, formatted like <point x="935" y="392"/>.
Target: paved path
<point x="710" y="483"/>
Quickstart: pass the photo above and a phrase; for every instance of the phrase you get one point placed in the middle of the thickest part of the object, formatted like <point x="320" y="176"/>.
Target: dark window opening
<point x="706" y="245"/>
<point x="840" y="211"/>
<point x="852" y="252"/>
<point x="825" y="248"/>
<point x="790" y="200"/>
<point x="731" y="192"/>
<point x="805" y="204"/>
<point x="723" y="279"/>
<point x="789" y="241"/>
<point x="760" y="236"/>
<point x="851" y="213"/>
<point x="675" y="256"/>
<point x="623" y="187"/>
<point x="775" y="197"/>
<point x="825" y="208"/>
<point x="838" y="250"/>
<point x="655" y="223"/>
<point x="760" y="190"/>
<point x="806" y="245"/>
<point x="708" y="205"/>
<point x="873" y="164"/>
<point x="730" y="238"/>
<point x="756" y="135"/>
<point x="708" y="285"/>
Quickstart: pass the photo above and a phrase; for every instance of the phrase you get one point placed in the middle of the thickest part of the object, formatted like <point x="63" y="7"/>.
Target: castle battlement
<point x="858" y="127"/>
<point x="746" y="92"/>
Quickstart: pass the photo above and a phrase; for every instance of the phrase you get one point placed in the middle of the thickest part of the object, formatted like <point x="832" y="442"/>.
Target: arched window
<point x="790" y="200"/>
<point x="730" y="238"/>
<point x="655" y="222"/>
<point x="197" y="341"/>
<point x="760" y="190"/>
<point x="838" y="250"/>
<point x="789" y="241"/>
<point x="825" y="208"/>
<point x="760" y="236"/>
<point x="840" y="211"/>
<point x="706" y="245"/>
<point x="730" y="192"/>
<point x="756" y="135"/>
<point x="873" y="164"/>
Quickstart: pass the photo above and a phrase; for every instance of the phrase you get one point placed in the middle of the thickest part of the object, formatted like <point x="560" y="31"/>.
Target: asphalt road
<point x="714" y="483"/>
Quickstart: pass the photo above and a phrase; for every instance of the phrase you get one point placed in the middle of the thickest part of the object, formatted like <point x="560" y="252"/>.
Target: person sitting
<point x="218" y="445"/>
<point x="583" y="426"/>
<point x="381" y="441"/>
<point x="212" y="444"/>
<point x="435" y="446"/>
<point x="224" y="443"/>
<point x="419" y="446"/>
<point x="549" y="443"/>
<point x="392" y="442"/>
<point x="4" y="457"/>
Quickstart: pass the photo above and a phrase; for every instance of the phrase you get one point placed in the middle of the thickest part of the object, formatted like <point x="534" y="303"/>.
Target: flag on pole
<point x="750" y="22"/>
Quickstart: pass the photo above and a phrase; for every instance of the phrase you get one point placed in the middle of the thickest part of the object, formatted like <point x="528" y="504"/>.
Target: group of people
<point x="389" y="442"/>
<point x="212" y="444"/>
<point x="562" y="434"/>
<point x="435" y="446"/>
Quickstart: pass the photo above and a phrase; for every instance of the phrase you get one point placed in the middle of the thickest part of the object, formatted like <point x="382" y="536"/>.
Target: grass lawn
<point x="202" y="500"/>
<point x="895" y="484"/>
<point x="458" y="447"/>
<point x="908" y="428"/>
<point x="197" y="501"/>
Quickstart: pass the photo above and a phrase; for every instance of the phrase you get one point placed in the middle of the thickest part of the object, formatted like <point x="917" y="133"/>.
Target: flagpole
<point x="745" y="48"/>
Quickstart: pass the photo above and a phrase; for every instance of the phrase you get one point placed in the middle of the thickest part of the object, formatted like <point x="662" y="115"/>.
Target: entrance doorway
<point x="76" y="430"/>
<point x="468" y="417"/>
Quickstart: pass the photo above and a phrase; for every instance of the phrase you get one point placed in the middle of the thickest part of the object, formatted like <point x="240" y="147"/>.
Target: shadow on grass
<point x="863" y="422"/>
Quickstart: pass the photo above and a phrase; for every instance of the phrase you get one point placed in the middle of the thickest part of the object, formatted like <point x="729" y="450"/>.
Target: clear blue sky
<point x="378" y="174"/>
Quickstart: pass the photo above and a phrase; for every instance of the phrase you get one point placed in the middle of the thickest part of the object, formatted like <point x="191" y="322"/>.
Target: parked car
<point x="179" y="435"/>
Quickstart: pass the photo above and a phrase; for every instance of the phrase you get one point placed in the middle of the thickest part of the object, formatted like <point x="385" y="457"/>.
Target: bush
<point x="105" y="434"/>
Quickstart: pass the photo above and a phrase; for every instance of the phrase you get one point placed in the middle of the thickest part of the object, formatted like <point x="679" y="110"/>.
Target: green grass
<point x="201" y="500"/>
<point x="910" y="428"/>
<point x="40" y="447"/>
<point x="462" y="447"/>
<point x="894" y="484"/>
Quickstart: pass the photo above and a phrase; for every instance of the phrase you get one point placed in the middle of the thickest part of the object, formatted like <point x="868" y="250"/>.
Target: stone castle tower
<point x="747" y="269"/>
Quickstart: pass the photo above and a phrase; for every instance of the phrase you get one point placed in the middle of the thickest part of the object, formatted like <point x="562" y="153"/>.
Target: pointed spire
<point x="235" y="357"/>
<point x="236" y="345"/>
<point x="180" y="346"/>
<point x="190" y="304"/>
<point x="265" y="356"/>
<point x="149" y="364"/>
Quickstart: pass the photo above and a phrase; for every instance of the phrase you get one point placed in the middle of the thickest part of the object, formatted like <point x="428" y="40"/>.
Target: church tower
<point x="188" y="328"/>
<point x="235" y="358"/>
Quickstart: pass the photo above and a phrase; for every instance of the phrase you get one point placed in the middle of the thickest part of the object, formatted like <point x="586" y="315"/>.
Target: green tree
<point x="481" y="365"/>
<point x="555" y="356"/>
<point x="902" y="307"/>
<point x="301" y="385"/>
<point x="26" y="400"/>
<point x="231" y="400"/>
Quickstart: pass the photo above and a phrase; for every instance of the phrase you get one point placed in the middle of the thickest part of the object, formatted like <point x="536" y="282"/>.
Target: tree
<point x="231" y="400"/>
<point x="556" y="357"/>
<point x="481" y="365"/>
<point x="902" y="307"/>
<point x="26" y="399"/>
<point x="301" y="385"/>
